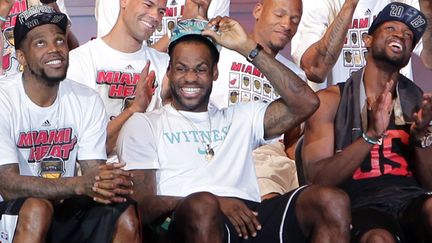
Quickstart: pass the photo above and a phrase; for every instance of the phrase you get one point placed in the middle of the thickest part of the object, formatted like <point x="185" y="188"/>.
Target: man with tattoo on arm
<point x="50" y="123"/>
<point x="194" y="163"/>
<point x="239" y="81"/>
<point x="372" y="137"/>
<point x="330" y="32"/>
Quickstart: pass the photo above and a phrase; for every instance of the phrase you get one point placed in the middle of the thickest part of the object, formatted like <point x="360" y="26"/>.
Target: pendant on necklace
<point x="209" y="153"/>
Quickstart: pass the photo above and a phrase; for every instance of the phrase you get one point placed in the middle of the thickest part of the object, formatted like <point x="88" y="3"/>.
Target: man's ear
<point x="215" y="72"/>
<point x="257" y="11"/>
<point x="21" y="57"/>
<point x="367" y="39"/>
<point x="123" y="3"/>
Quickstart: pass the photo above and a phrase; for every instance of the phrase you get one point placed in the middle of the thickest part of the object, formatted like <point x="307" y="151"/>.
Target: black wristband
<point x="48" y="1"/>
<point x="254" y="53"/>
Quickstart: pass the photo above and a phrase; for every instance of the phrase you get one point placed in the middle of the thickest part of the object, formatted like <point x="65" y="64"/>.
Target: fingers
<point x="246" y="223"/>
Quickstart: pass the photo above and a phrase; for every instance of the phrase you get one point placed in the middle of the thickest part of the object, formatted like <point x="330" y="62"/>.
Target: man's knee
<point x="129" y="221"/>
<point x="35" y="215"/>
<point x="331" y="202"/>
<point x="198" y="205"/>
<point x="427" y="211"/>
<point x="377" y="236"/>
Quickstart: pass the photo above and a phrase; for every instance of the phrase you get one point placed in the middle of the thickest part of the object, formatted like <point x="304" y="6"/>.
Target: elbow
<point x="314" y="76"/>
<point x="314" y="73"/>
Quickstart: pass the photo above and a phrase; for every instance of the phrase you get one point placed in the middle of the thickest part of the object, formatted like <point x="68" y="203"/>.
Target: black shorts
<point x="80" y="219"/>
<point x="9" y="211"/>
<point x="278" y="220"/>
<point x="404" y="225"/>
<point x="77" y="219"/>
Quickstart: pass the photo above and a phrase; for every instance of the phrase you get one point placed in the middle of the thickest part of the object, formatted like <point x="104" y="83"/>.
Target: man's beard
<point x="396" y="61"/>
<point x="49" y="81"/>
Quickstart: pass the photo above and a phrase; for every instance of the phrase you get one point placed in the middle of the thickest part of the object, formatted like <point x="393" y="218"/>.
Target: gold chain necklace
<point x="208" y="149"/>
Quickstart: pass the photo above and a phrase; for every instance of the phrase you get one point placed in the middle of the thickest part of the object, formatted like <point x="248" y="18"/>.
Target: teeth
<point x="53" y="62"/>
<point x="395" y="44"/>
<point x="191" y="90"/>
<point x="148" y="24"/>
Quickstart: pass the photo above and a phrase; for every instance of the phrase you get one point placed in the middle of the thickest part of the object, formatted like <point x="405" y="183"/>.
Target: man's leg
<point x="34" y="221"/>
<point x="427" y="219"/>
<point x="197" y="218"/>
<point x="324" y="214"/>
<point x="128" y="227"/>
<point x="373" y="226"/>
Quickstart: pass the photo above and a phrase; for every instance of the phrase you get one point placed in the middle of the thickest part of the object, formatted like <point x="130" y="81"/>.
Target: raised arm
<point x="426" y="53"/>
<point x="321" y="164"/>
<point x="320" y="57"/>
<point x="297" y="101"/>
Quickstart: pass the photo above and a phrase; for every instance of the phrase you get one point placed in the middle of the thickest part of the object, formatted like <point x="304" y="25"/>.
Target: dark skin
<point x="390" y="44"/>
<point x="297" y="103"/>
<point x="44" y="55"/>
<point x="320" y="57"/>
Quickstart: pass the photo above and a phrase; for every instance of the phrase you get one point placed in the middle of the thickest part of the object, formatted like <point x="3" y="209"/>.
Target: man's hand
<point x="196" y="9"/>
<point x="144" y="90"/>
<point x="108" y="183"/>
<point x="230" y="34"/>
<point x="423" y="117"/>
<point x="379" y="112"/>
<point x="5" y="7"/>
<point x="244" y="220"/>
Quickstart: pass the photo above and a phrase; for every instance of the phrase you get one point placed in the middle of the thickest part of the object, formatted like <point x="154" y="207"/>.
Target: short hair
<point x="196" y="38"/>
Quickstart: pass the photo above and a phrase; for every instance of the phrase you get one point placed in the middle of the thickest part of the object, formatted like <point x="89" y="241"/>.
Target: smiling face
<point x="44" y="54"/>
<point x="142" y="17"/>
<point x="391" y="42"/>
<point x="191" y="72"/>
<point x="276" y="22"/>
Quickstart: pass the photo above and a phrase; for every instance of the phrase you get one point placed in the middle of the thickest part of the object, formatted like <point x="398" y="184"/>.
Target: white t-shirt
<point x="9" y="61"/>
<point x="114" y="74"/>
<point x="108" y="11"/>
<point x="318" y="15"/>
<point x="168" y="142"/>
<point x="71" y="129"/>
<point x="240" y="81"/>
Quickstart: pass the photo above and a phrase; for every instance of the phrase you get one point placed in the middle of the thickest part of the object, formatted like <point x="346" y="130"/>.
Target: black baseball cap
<point x="34" y="17"/>
<point x="404" y="13"/>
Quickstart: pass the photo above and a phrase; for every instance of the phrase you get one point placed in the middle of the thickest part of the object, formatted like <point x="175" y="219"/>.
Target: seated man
<point x="370" y="136"/>
<point x="51" y="123"/>
<point x="194" y="163"/>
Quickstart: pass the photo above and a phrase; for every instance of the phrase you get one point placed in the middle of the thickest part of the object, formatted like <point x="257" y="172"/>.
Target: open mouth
<point x="396" y="47"/>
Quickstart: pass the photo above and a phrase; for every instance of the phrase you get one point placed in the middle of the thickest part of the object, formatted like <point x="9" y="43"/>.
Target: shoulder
<point x="155" y="55"/>
<point x="81" y="91"/>
<point x="292" y="66"/>
<point x="86" y="47"/>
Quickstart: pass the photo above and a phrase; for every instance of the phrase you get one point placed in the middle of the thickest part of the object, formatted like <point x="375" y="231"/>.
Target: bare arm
<point x="320" y="57"/>
<point x="151" y="206"/>
<point x="15" y="185"/>
<point x="426" y="53"/>
<point x="298" y="101"/>
<point x="319" y="159"/>
<point x="423" y="170"/>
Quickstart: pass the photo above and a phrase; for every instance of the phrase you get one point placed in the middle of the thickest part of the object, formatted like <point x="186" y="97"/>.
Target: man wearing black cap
<point x="50" y="123"/>
<point x="194" y="163"/>
<point x="371" y="136"/>
<point x="326" y="32"/>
